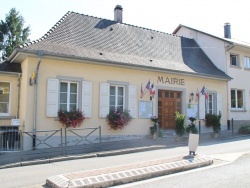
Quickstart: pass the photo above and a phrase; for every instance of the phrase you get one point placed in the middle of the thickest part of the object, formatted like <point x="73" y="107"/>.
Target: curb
<point x="73" y="157"/>
<point x="126" y="174"/>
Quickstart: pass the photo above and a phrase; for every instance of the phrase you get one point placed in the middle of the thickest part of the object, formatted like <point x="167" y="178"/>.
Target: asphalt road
<point x="35" y="176"/>
<point x="227" y="175"/>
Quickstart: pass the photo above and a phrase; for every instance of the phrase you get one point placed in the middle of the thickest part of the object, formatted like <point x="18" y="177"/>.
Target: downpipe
<point x="40" y="54"/>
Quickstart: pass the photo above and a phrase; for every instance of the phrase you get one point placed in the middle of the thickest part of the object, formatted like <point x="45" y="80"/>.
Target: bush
<point x="245" y="129"/>
<point x="213" y="120"/>
<point x="179" y="123"/>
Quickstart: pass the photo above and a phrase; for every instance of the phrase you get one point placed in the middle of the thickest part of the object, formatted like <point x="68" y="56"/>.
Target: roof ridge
<point x="48" y="33"/>
<point x="130" y="25"/>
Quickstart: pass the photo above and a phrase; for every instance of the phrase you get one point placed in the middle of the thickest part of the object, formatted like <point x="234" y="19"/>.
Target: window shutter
<point x="104" y="99"/>
<point x="87" y="98"/>
<point x="219" y="103"/>
<point x="52" y="97"/>
<point x="132" y="100"/>
<point x="202" y="106"/>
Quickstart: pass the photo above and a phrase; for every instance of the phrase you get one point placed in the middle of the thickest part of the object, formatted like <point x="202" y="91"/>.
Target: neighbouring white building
<point x="232" y="57"/>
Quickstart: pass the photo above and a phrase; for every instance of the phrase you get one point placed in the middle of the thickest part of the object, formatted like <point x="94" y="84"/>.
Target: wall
<point x="96" y="74"/>
<point x="240" y="81"/>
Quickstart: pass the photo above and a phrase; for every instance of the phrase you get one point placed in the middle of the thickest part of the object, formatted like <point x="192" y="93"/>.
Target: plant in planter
<point x="213" y="120"/>
<point x="153" y="128"/>
<point x="191" y="127"/>
<point x="179" y="123"/>
<point x="117" y="119"/>
<point x="71" y="119"/>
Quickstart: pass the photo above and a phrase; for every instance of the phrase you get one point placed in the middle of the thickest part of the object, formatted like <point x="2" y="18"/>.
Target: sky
<point x="162" y="15"/>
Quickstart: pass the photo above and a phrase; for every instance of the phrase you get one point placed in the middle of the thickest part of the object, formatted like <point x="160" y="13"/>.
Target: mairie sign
<point x="172" y="81"/>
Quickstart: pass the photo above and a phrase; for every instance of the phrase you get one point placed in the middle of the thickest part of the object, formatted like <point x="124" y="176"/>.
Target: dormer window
<point x="234" y="60"/>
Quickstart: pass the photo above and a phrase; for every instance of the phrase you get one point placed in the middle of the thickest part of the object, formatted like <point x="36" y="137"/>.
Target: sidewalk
<point x="113" y="148"/>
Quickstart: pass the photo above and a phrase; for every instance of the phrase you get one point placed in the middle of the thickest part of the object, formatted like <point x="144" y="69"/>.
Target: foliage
<point x="191" y="127"/>
<point x="245" y="129"/>
<point x="153" y="130"/>
<point x="71" y="119"/>
<point x="179" y="122"/>
<point x="154" y="119"/>
<point x="117" y="119"/>
<point x="12" y="32"/>
<point x="213" y="120"/>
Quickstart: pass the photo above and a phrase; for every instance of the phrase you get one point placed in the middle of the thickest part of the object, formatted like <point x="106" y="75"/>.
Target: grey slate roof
<point x="10" y="67"/>
<point x="86" y="37"/>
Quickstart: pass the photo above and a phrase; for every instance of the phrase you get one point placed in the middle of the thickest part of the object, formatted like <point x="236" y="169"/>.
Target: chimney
<point x="118" y="13"/>
<point x="227" y="30"/>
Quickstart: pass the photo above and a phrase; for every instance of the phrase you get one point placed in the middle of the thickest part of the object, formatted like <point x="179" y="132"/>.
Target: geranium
<point x="117" y="119"/>
<point x="71" y="119"/>
<point x="154" y="119"/>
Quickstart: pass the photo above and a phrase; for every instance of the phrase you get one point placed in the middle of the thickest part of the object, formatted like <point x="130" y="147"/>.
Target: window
<point x="237" y="99"/>
<point x="4" y="98"/>
<point x="68" y="96"/>
<point x="247" y="62"/>
<point x="234" y="60"/>
<point x="116" y="97"/>
<point x="209" y="104"/>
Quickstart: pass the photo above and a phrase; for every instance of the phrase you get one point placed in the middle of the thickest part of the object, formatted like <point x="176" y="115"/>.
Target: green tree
<point x="12" y="32"/>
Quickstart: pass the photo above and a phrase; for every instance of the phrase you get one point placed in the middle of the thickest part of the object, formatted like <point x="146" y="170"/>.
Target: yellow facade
<point x="97" y="73"/>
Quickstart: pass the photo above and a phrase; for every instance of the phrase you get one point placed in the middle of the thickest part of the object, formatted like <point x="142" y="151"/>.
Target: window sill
<point x="235" y="66"/>
<point x="246" y="68"/>
<point x="239" y="110"/>
<point x="7" y="117"/>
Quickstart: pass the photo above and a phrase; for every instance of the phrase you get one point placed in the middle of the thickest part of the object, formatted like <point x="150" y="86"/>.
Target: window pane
<point x="72" y="107"/>
<point x="73" y="88"/>
<point x="240" y="99"/>
<point x="233" y="101"/>
<point x="112" y="90"/>
<point x="120" y="91"/>
<point x="63" y="97"/>
<point x="63" y="107"/>
<point x="63" y="87"/>
<point x="112" y="100"/>
<point x="73" y="98"/>
<point x="4" y="108"/>
<point x="112" y="108"/>
<point x="120" y="100"/>
<point x="4" y="97"/>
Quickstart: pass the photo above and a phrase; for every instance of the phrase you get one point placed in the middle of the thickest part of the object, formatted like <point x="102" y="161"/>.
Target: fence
<point x="29" y="145"/>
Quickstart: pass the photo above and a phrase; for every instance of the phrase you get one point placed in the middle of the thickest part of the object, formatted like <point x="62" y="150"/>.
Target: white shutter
<point x="87" y="98"/>
<point x="52" y="97"/>
<point x="132" y="100"/>
<point x="219" y="103"/>
<point x="104" y="99"/>
<point x="201" y="106"/>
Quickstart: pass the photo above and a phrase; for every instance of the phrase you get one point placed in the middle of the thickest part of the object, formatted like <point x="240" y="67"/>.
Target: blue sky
<point x="162" y="15"/>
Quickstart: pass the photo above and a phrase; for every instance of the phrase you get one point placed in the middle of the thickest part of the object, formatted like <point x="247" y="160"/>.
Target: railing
<point x="31" y="145"/>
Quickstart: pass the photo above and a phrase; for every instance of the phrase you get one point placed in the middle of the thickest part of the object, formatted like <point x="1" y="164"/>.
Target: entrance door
<point x="168" y="103"/>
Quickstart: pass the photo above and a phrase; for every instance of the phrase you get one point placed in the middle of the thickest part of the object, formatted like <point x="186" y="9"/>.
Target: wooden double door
<point x="168" y="103"/>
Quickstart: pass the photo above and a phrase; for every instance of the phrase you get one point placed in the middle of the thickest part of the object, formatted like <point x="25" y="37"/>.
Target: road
<point x="230" y="175"/>
<point x="36" y="175"/>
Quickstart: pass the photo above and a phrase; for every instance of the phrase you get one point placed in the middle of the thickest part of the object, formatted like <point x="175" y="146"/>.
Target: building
<point x="95" y="65"/>
<point x="232" y="57"/>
